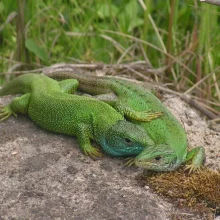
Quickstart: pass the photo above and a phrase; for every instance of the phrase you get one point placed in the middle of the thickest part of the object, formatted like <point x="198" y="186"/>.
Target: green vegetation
<point x="118" y="31"/>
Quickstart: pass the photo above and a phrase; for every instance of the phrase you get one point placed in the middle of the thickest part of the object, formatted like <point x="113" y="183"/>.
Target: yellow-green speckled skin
<point x="84" y="117"/>
<point x="166" y="131"/>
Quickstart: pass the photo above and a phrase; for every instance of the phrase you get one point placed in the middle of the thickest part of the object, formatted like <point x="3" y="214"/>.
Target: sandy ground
<point x="45" y="176"/>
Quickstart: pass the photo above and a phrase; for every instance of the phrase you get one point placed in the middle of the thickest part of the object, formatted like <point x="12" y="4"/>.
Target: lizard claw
<point x="130" y="161"/>
<point x="152" y="115"/>
<point x="147" y="116"/>
<point x="92" y="152"/>
<point x="192" y="168"/>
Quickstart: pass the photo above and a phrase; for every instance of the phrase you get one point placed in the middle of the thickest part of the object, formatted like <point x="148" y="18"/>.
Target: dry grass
<point x="200" y="190"/>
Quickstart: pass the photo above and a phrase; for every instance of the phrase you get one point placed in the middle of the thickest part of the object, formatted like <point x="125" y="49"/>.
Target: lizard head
<point x="125" y="139"/>
<point x="157" y="158"/>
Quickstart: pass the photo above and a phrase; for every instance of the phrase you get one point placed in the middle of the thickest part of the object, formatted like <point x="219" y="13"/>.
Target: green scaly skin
<point x="170" y="142"/>
<point x="49" y="105"/>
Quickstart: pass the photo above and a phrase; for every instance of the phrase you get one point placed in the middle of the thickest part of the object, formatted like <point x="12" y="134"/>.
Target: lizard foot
<point x="130" y="161"/>
<point x="152" y="115"/>
<point x="192" y="168"/>
<point x="6" y="112"/>
<point x="92" y="152"/>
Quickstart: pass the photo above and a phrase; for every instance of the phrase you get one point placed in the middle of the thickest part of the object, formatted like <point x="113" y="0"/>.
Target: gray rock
<point x="45" y="176"/>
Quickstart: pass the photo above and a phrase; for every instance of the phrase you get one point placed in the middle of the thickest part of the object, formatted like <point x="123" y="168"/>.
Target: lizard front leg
<point x="18" y="105"/>
<point x="127" y="111"/>
<point x="84" y="141"/>
<point x="132" y="114"/>
<point x="197" y="157"/>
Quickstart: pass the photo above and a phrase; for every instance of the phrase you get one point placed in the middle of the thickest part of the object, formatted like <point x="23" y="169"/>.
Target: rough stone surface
<point x="45" y="176"/>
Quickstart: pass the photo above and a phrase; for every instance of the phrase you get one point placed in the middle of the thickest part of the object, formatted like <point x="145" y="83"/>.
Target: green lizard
<point x="170" y="142"/>
<point x="49" y="105"/>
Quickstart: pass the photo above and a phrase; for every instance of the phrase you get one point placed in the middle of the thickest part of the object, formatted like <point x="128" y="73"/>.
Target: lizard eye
<point x="157" y="157"/>
<point x="128" y="141"/>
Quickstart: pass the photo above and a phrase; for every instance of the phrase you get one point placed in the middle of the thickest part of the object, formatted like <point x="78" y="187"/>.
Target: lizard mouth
<point x="157" y="159"/>
<point x="151" y="165"/>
